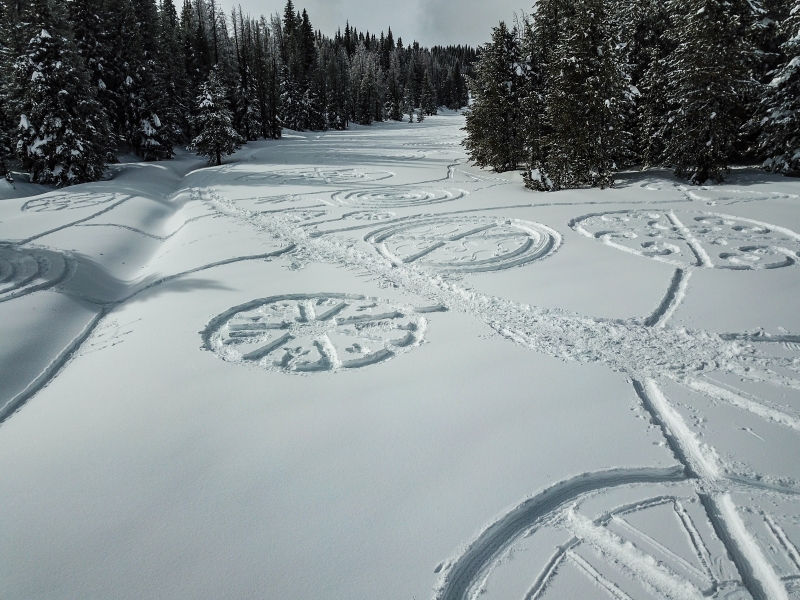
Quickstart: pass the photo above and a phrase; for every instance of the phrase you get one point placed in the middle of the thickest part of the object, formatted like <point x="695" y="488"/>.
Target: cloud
<point x="430" y="22"/>
<point x="466" y="21"/>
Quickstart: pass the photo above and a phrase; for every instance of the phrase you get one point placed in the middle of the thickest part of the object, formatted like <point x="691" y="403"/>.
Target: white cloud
<point x="429" y="22"/>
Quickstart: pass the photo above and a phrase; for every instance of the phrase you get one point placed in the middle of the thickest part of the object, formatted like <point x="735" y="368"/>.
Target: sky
<point x="430" y="22"/>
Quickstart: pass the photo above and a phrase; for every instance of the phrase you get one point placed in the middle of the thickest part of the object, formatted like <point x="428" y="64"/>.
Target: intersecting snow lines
<point x="694" y="238"/>
<point x="302" y="333"/>
<point x="24" y="270"/>
<point x="465" y="244"/>
<point x="727" y="561"/>
<point x="313" y="176"/>
<point x="67" y="201"/>
<point x="398" y="197"/>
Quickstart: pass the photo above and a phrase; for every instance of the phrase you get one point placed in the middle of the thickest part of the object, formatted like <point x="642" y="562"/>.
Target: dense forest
<point x="81" y="80"/>
<point x="581" y="89"/>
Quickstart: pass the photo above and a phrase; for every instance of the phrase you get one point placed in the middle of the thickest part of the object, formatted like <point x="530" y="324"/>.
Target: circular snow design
<point x="26" y="270"/>
<point x="306" y="333"/>
<point x="316" y="176"/>
<point x="660" y="539"/>
<point x="695" y="238"/>
<point x="398" y="197"/>
<point x="67" y="201"/>
<point x="471" y="244"/>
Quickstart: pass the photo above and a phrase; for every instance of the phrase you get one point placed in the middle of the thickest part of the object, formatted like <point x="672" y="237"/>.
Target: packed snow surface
<point x="350" y="365"/>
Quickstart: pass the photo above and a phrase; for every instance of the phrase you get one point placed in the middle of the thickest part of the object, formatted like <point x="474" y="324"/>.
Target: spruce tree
<point x="144" y="103"/>
<point x="217" y="137"/>
<point x="62" y="133"/>
<point x="494" y="121"/>
<point x="779" y="112"/>
<point x="428" y="97"/>
<point x="586" y="99"/>
<point x="172" y="63"/>
<point x="706" y="80"/>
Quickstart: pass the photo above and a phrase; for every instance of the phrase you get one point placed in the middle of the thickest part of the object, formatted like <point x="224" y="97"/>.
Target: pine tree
<point x="428" y="97"/>
<point x="706" y="82"/>
<point x="217" y="137"/>
<point x="779" y="113"/>
<point x="172" y="61"/>
<point x="586" y="98"/>
<point x="494" y="121"/>
<point x="62" y="133"/>
<point x="142" y="90"/>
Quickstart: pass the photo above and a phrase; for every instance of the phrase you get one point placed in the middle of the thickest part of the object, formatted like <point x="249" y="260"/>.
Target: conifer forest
<point x="582" y="89"/>
<point x="81" y="79"/>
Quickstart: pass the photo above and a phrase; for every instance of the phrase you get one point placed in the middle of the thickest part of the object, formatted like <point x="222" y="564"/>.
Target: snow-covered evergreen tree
<point x="779" y="113"/>
<point x="62" y="133"/>
<point x="494" y="120"/>
<point x="643" y="24"/>
<point x="706" y="81"/>
<point x="177" y="95"/>
<point x="586" y="99"/>
<point x="143" y="90"/>
<point x="428" y="96"/>
<point x="217" y="137"/>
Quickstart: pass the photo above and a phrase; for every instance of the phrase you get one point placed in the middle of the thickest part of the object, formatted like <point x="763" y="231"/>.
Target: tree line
<point x="83" y="79"/>
<point x="581" y="89"/>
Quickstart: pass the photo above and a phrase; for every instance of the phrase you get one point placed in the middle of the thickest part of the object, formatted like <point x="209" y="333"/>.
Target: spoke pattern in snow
<point x="397" y="197"/>
<point x="25" y="270"/>
<point x="304" y="333"/>
<point x="67" y="201"/>
<point x="625" y="346"/>
<point x="648" y="351"/>
<point x="694" y="238"/>
<point x="470" y="244"/>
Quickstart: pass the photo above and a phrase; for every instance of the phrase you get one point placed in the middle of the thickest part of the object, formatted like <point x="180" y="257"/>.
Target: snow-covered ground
<point x="349" y="365"/>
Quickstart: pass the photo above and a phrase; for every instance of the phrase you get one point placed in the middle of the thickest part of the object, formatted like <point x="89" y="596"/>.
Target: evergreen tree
<point x="494" y="121"/>
<point x="177" y="97"/>
<point x="779" y="113"/>
<point x="217" y="137"/>
<point x="428" y="97"/>
<point x="586" y="98"/>
<point x="62" y="134"/>
<point x="706" y="82"/>
<point x="643" y="27"/>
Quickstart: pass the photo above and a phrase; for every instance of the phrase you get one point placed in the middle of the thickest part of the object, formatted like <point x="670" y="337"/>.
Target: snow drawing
<point x="397" y="197"/>
<point x="651" y="354"/>
<point x="304" y="333"/>
<point x="470" y="244"/>
<point x="67" y="201"/>
<point x="723" y="558"/>
<point x="24" y="270"/>
<point x="694" y="238"/>
<point x="313" y="176"/>
<point x="369" y="215"/>
<point x="696" y="521"/>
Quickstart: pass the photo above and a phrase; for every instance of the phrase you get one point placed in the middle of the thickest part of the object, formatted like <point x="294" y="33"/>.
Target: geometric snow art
<point x="472" y="244"/>
<point x="26" y="270"/>
<point x="694" y="238"/>
<point x="303" y="333"/>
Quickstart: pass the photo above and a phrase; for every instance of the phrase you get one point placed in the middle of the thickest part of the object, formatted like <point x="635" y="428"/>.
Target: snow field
<point x="378" y="377"/>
